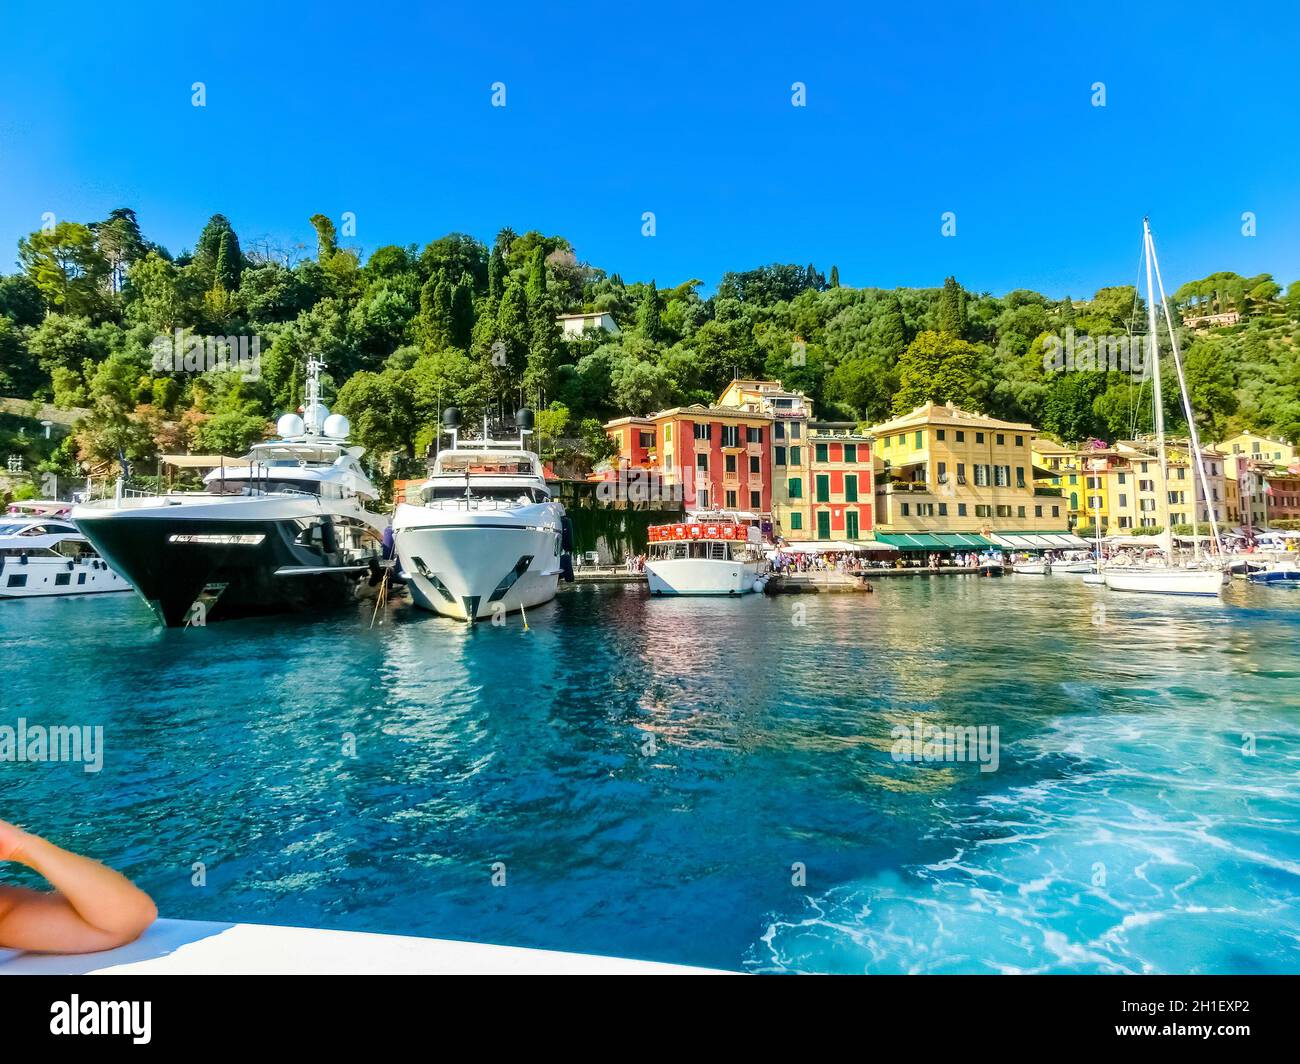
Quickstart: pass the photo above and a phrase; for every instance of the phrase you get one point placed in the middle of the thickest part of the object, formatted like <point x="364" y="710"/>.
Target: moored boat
<point x="43" y="554"/>
<point x="284" y="529"/>
<point x="708" y="554"/>
<point x="484" y="537"/>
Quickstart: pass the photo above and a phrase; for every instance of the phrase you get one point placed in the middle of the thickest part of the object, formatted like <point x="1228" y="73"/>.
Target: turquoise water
<point x="1125" y="829"/>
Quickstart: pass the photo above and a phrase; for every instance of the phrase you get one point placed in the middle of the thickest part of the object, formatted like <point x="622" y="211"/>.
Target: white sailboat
<point x="1202" y="578"/>
<point x="1093" y="574"/>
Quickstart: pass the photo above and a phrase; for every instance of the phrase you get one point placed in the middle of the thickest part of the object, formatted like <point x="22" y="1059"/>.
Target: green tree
<point x="937" y="368"/>
<point x="647" y="316"/>
<point x="67" y="267"/>
<point x="952" y="309"/>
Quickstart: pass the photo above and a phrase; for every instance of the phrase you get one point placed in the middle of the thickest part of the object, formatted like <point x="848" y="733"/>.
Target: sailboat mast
<point x="1198" y="461"/>
<point x="1154" y="341"/>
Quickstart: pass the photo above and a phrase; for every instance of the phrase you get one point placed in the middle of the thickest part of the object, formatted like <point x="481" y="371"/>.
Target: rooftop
<point x="941" y="414"/>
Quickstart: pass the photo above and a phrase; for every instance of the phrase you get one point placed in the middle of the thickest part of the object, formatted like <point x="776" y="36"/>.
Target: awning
<point x="1040" y="541"/>
<point x="828" y="546"/>
<point x="203" y="461"/>
<point x="934" y="540"/>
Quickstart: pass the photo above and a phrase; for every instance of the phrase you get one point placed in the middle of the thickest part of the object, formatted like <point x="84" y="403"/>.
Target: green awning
<point x="934" y="540"/>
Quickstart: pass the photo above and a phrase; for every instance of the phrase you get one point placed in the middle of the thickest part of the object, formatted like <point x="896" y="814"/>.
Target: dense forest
<point x="406" y="331"/>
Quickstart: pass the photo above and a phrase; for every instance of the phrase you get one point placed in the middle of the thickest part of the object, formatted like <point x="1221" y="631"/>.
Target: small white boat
<point x="1097" y="579"/>
<point x="706" y="555"/>
<point x="1033" y="567"/>
<point x="1083" y="566"/>
<point x="43" y="554"/>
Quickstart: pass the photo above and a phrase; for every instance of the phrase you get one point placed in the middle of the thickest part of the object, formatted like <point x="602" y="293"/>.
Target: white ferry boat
<point x="708" y="554"/>
<point x="42" y="553"/>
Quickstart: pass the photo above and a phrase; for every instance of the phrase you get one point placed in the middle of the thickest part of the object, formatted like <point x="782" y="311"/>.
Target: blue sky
<point x="683" y="110"/>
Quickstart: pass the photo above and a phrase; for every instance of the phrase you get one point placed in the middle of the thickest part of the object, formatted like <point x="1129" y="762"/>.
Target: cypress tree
<point x="835" y="277"/>
<point x="496" y="275"/>
<point x="462" y="312"/>
<point x="647" y="315"/>
<point x="952" y="309"/>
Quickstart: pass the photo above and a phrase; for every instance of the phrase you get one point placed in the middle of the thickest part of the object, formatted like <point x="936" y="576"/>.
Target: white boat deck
<point x="184" y="947"/>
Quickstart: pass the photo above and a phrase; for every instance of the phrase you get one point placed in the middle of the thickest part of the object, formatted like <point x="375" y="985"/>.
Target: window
<point x="796" y="430"/>
<point x="1123" y="499"/>
<point x="961" y="472"/>
<point x="981" y="476"/>
<point x="755" y="500"/>
<point x="702" y="462"/>
<point x="780" y="455"/>
<point x="851" y="524"/>
<point x="823" y="488"/>
<point x="753" y="434"/>
<point x="647" y="439"/>
<point x="961" y="509"/>
<point x="779" y="430"/>
<point x="983" y="510"/>
<point x="925" y="509"/>
<point x="1056" y="511"/>
<point x="795" y="488"/>
<point x="668" y="432"/>
<point x="851" y="488"/>
<point x="820" y="453"/>
<point x="703" y="497"/>
<point x="961" y="436"/>
<point x="794" y="455"/>
<point x="1020" y="476"/>
<point x="731" y="500"/>
<point x="943" y="509"/>
<point x="796" y="522"/>
<point x="943" y="472"/>
<point x="902" y="509"/>
<point x="755" y="464"/>
<point x="918" y="439"/>
<point x="1020" y="511"/>
<point x="979" y="437"/>
<point x="729" y="463"/>
<point x="940" y="434"/>
<point x="888" y="441"/>
<point x="730" y="436"/>
<point x="1038" y="511"/>
<point x="701" y="430"/>
<point x="1001" y="439"/>
<point x="851" y="453"/>
<point x="1020" y="441"/>
<point x="823" y="524"/>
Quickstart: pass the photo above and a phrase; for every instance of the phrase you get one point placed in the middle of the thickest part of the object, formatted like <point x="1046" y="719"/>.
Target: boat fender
<point x="566" y="568"/>
<point x="759" y="584"/>
<point x="566" y="534"/>
<point x="22" y="560"/>
<point x="71" y="564"/>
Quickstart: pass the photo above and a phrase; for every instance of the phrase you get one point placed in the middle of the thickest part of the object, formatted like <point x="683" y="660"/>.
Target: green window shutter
<point x="796" y="522"/>
<point x="851" y="524"/>
<point x="796" y="487"/>
<point x="821" y="452"/>
<point x="823" y="524"/>
<point x="851" y="488"/>
<point x="851" y="453"/>
<point x="823" y="488"/>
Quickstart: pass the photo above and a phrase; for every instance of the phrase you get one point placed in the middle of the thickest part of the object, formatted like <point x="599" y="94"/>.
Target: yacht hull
<point x="1166" y="581"/>
<point x="51" y="577"/>
<point x="474" y="566"/>
<point x="193" y="571"/>
<point x="702" y="576"/>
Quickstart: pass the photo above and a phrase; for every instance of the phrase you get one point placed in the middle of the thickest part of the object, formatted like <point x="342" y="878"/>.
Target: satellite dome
<point x="289" y="425"/>
<point x="337" y="427"/>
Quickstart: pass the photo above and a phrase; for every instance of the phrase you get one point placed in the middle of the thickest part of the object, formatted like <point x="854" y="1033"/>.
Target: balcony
<point x="904" y="487"/>
<point x="1049" y="493"/>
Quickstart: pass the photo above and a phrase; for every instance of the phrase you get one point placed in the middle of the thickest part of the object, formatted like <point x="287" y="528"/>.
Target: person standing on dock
<point x="92" y="907"/>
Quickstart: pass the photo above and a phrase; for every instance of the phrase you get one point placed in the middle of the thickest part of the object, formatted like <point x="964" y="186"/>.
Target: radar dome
<point x="337" y="427"/>
<point x="289" y="425"/>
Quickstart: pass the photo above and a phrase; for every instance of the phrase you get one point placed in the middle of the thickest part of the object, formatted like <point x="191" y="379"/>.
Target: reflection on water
<point x="653" y="773"/>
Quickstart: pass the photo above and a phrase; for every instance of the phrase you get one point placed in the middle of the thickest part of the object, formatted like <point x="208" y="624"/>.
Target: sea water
<point x="709" y="781"/>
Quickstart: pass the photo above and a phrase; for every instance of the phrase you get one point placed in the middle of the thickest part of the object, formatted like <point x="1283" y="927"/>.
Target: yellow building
<point x="941" y="468"/>
<point x="1257" y="448"/>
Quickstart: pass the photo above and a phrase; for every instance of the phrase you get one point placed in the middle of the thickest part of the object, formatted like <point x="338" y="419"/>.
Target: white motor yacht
<point x="482" y="537"/>
<point x="42" y="553"/>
